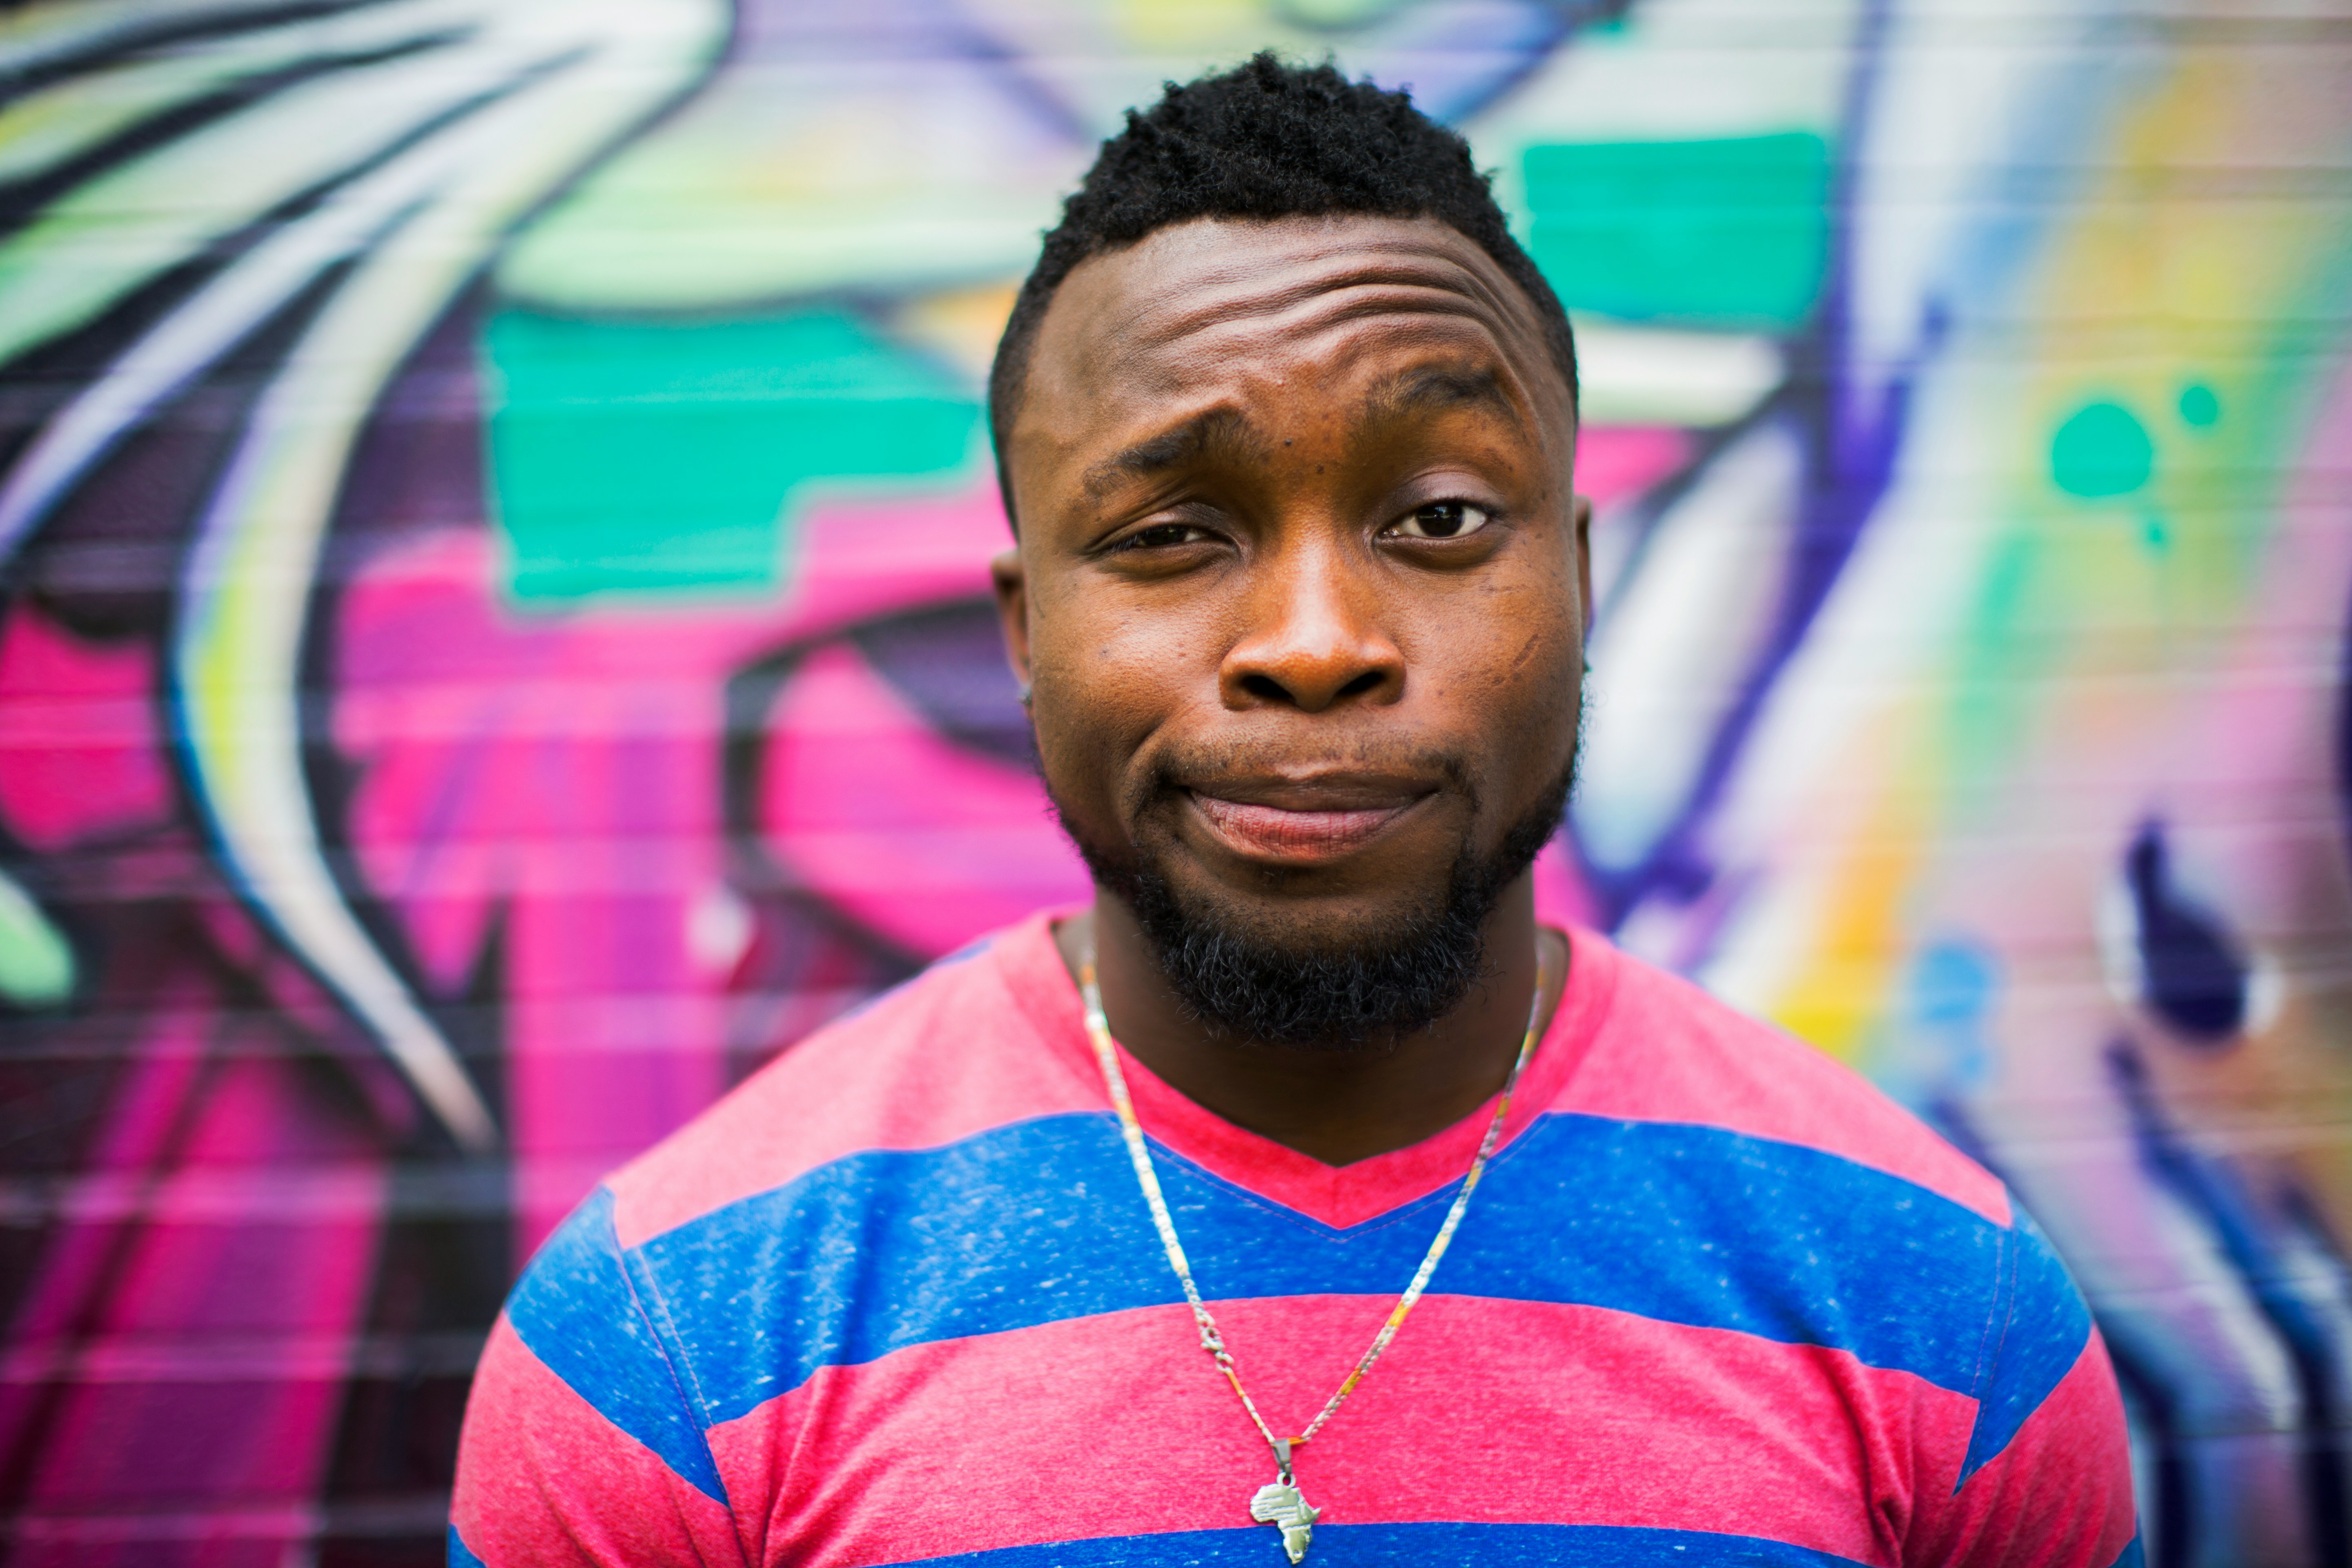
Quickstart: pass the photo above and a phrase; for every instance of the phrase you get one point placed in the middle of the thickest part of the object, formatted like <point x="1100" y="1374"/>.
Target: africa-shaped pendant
<point x="1278" y="1503"/>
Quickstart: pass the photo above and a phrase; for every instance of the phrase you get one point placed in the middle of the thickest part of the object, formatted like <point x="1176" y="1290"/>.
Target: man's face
<point x="1300" y="582"/>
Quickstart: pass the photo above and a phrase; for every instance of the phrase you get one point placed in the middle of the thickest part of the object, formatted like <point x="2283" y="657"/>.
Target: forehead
<point x="1214" y="311"/>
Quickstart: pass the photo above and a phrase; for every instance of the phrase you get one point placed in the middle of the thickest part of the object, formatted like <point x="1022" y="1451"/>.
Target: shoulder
<point x="1965" y="1295"/>
<point x="961" y="1047"/>
<point x="1661" y="1049"/>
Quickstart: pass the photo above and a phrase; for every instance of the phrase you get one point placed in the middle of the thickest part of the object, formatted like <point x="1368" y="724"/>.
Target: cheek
<point x="1541" y="666"/>
<point x="1513" y="677"/>
<point x="1137" y="652"/>
<point x="1510" y="627"/>
<point x="1101" y="686"/>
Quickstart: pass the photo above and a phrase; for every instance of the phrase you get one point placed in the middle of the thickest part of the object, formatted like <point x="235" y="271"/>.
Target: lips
<point x="1303" y="824"/>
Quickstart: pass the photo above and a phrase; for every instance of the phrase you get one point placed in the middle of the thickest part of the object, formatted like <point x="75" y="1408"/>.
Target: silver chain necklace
<point x="1279" y="1501"/>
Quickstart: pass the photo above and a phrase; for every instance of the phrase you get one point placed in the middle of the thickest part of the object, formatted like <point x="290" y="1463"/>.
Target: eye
<point x="1164" y="535"/>
<point x="1443" y="519"/>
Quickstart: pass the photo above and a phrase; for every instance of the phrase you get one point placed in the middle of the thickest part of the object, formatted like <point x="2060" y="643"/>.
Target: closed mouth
<point x="1304" y="824"/>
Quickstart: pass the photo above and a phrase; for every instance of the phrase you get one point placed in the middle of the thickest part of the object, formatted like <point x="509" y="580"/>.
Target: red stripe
<point x="1628" y="1041"/>
<point x="2060" y="1495"/>
<point x="999" y="1038"/>
<point x="1340" y="1195"/>
<point x="944" y="1059"/>
<point x="1347" y="1196"/>
<point x="544" y="1480"/>
<point x="1670" y="1052"/>
<point x="1483" y="1411"/>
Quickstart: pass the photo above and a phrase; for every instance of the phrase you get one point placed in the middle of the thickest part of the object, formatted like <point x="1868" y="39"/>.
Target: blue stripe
<point x="2041" y="1337"/>
<point x="578" y="1311"/>
<point x="1040" y="1222"/>
<point x="2131" y="1556"/>
<point x="460" y="1555"/>
<point x="965" y="953"/>
<point x="1411" y="1546"/>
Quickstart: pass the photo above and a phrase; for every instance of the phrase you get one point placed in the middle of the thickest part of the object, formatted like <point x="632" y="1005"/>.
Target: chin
<point x="1311" y="924"/>
<point x="1395" y="946"/>
<point x="1332" y="973"/>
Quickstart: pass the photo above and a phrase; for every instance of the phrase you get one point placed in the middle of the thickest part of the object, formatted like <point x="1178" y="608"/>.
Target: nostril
<point x="1361" y="684"/>
<point x="1265" y="688"/>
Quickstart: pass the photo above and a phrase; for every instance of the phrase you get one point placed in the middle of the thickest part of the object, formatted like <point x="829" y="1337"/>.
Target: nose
<point x="1313" y="637"/>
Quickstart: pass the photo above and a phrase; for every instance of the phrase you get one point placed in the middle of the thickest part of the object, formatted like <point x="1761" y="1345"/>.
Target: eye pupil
<point x="1443" y="519"/>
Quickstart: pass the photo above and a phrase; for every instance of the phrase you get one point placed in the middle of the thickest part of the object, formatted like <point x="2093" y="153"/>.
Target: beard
<point x="1342" y="997"/>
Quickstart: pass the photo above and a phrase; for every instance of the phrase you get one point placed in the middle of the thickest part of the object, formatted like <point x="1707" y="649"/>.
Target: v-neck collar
<point x="1338" y="1196"/>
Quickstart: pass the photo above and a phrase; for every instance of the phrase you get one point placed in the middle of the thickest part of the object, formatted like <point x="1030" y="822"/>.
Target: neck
<point x="1336" y="1106"/>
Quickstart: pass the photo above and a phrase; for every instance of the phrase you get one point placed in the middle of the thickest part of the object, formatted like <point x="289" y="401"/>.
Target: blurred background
<point x="494" y="645"/>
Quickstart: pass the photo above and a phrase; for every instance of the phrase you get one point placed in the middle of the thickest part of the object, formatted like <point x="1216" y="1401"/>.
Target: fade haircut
<point x="1264" y="141"/>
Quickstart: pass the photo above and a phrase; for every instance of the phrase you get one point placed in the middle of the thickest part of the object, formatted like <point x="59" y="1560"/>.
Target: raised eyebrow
<point x="1428" y="388"/>
<point x="1218" y="429"/>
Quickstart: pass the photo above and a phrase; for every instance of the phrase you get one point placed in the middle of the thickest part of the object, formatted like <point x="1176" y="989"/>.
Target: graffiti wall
<point x="494" y="642"/>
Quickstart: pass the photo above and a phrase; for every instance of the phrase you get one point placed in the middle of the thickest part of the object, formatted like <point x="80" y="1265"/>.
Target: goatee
<point x="1338" y="998"/>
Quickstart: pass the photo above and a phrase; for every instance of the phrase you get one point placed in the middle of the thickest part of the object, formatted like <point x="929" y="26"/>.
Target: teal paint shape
<point x="2199" y="406"/>
<point x="37" y="962"/>
<point x="1729" y="234"/>
<point x="635" y="458"/>
<point x="2100" y="452"/>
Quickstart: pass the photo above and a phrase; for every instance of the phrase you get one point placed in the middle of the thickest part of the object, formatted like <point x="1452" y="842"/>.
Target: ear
<point x="1582" y="510"/>
<point x="1013" y="610"/>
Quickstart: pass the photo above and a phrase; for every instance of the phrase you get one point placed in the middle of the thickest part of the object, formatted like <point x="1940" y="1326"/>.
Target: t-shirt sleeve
<point x="581" y="1443"/>
<point x="2045" y="1481"/>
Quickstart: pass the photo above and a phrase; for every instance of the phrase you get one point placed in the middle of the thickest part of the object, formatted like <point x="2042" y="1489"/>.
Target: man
<point x="1304" y="1199"/>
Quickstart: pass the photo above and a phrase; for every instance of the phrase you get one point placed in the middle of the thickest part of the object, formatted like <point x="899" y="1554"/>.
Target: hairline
<point x="1557" y="335"/>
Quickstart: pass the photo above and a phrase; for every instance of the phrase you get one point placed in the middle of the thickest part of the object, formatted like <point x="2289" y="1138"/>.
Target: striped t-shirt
<point x="897" y="1298"/>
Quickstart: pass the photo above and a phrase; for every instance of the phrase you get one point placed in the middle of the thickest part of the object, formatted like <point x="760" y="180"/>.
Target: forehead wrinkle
<point x="1301" y="318"/>
<point x="1194" y="278"/>
<point x="1341" y="256"/>
<point x="1156" y="323"/>
<point x="1305" y="305"/>
<point x="1315" y="333"/>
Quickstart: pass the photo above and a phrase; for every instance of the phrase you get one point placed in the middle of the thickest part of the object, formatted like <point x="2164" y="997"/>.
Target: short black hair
<point x="1266" y="139"/>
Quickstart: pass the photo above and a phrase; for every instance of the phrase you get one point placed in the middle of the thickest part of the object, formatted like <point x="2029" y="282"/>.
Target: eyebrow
<point x="1222" y="431"/>
<point x="1428" y="388"/>
<point x="1225" y="433"/>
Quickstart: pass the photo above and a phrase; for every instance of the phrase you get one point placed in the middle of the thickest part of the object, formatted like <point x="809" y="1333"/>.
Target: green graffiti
<point x="633" y="459"/>
<point x="1336" y="15"/>
<point x="2198" y="406"/>
<point x="1730" y="233"/>
<point x="36" y="963"/>
<point x="2101" y="451"/>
